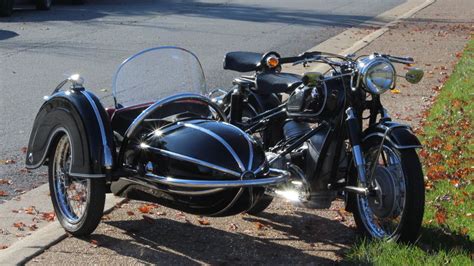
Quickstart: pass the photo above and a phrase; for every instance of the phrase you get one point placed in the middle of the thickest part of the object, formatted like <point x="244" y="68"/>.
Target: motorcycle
<point x="335" y="138"/>
<point x="162" y="141"/>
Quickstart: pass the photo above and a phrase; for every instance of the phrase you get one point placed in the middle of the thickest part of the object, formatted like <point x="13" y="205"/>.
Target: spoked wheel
<point x="78" y="202"/>
<point x="393" y="210"/>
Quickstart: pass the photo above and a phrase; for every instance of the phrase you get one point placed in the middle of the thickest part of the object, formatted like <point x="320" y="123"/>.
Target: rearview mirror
<point x="414" y="75"/>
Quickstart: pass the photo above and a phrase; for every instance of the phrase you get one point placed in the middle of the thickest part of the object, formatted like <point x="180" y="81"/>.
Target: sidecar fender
<point x="399" y="135"/>
<point x="81" y="116"/>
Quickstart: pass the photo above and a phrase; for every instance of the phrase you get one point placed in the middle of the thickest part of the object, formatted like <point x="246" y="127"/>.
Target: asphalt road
<point x="39" y="49"/>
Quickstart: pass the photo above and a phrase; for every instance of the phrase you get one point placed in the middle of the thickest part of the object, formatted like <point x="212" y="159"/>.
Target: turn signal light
<point x="272" y="61"/>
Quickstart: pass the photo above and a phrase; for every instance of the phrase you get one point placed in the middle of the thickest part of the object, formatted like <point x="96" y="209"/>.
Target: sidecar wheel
<point x="394" y="211"/>
<point x="260" y="205"/>
<point x="78" y="202"/>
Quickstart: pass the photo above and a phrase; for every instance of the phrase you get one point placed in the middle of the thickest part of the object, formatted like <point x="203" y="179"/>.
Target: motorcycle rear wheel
<point x="78" y="202"/>
<point x="395" y="211"/>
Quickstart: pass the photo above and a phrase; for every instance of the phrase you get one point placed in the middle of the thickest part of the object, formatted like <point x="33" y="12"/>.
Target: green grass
<point x="448" y="161"/>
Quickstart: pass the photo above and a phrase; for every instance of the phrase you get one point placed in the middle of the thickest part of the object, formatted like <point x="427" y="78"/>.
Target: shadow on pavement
<point x="6" y="34"/>
<point x="193" y="8"/>
<point x="168" y="241"/>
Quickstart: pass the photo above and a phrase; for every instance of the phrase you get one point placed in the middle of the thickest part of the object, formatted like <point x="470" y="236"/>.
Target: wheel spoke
<point x="71" y="193"/>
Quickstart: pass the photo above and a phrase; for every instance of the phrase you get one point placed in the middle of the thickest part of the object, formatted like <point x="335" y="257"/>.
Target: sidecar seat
<point x="242" y="61"/>
<point x="123" y="117"/>
<point x="267" y="83"/>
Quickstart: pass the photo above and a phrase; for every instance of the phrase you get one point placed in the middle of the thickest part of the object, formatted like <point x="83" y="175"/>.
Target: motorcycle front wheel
<point x="78" y="202"/>
<point x="393" y="210"/>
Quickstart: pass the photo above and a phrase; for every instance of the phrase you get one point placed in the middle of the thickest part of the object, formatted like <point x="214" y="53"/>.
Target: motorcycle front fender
<point x="80" y="115"/>
<point x="399" y="135"/>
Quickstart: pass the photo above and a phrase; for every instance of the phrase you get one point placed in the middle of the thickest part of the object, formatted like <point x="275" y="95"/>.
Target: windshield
<point x="157" y="73"/>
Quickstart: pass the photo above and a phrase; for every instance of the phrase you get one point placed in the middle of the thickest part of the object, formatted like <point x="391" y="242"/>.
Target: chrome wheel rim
<point x="72" y="194"/>
<point x="382" y="210"/>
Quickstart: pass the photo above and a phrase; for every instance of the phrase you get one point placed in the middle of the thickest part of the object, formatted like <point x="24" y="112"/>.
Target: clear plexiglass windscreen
<point x="156" y="73"/>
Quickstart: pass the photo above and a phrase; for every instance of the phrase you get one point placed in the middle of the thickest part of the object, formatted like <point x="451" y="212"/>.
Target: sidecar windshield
<point x="157" y="73"/>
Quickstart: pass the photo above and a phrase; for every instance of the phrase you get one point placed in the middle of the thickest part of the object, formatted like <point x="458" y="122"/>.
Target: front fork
<point x="355" y="139"/>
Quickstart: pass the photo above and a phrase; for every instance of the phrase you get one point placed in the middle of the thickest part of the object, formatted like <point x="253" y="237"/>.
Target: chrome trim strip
<point x="87" y="175"/>
<point x="221" y="140"/>
<point x="282" y="176"/>
<point x="161" y="102"/>
<point x="194" y="160"/>
<point x="195" y="193"/>
<point x="250" y="141"/>
<point x="108" y="159"/>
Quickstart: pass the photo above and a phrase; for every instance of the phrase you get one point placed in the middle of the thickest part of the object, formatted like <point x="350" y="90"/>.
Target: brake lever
<point x="400" y="60"/>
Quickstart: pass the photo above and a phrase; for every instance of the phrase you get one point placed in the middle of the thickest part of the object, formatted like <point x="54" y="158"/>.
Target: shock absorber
<point x="236" y="103"/>
<point x="354" y="138"/>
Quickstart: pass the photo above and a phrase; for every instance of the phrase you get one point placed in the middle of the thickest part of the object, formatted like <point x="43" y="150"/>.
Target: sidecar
<point x="162" y="141"/>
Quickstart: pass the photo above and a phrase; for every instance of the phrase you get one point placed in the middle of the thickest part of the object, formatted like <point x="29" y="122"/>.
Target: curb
<point x="23" y="250"/>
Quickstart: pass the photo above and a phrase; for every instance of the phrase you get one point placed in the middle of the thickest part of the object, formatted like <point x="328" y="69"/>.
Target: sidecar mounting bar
<point x="280" y="176"/>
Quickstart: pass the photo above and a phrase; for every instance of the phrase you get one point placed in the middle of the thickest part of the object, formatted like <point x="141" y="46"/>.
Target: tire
<point x="6" y="8"/>
<point x="260" y="205"/>
<point x="83" y="217"/>
<point x="43" y="4"/>
<point x="411" y="215"/>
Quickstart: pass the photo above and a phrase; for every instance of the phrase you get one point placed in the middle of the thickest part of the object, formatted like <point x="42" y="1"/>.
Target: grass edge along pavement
<point x="448" y="160"/>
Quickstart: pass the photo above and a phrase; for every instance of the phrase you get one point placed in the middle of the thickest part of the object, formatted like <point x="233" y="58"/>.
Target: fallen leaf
<point x="24" y="150"/>
<point x="204" y="222"/>
<point x="130" y="213"/>
<point x="5" y="182"/>
<point x="259" y="226"/>
<point x="19" y="225"/>
<point x="3" y="193"/>
<point x="95" y="243"/>
<point x="233" y="227"/>
<point x="440" y="216"/>
<point x="31" y="210"/>
<point x="464" y="231"/>
<point x="48" y="216"/>
<point x="3" y="246"/>
<point x="145" y="208"/>
<point x="395" y="91"/>
<point x="161" y="213"/>
<point x="180" y="215"/>
<point x="32" y="227"/>
<point x="11" y="161"/>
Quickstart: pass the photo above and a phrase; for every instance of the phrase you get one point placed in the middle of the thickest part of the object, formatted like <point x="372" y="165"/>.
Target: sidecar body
<point x="162" y="141"/>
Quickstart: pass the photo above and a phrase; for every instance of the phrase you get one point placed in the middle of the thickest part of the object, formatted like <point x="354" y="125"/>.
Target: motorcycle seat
<point x="242" y="61"/>
<point x="267" y="83"/>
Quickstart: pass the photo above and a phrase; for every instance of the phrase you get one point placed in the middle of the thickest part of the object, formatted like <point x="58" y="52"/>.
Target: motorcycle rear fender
<point x="263" y="103"/>
<point x="81" y="116"/>
<point x="399" y="135"/>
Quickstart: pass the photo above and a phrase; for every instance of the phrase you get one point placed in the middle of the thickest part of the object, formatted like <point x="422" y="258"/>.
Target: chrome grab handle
<point x="280" y="177"/>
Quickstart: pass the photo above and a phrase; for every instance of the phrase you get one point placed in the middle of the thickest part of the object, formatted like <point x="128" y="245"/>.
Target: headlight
<point x="376" y="73"/>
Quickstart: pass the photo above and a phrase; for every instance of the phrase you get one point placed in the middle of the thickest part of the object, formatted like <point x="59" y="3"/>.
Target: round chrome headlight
<point x="377" y="74"/>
